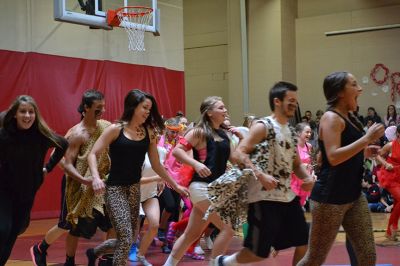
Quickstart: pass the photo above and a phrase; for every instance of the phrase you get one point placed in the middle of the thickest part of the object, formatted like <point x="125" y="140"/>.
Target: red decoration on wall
<point x="375" y="70"/>
<point x="395" y="78"/>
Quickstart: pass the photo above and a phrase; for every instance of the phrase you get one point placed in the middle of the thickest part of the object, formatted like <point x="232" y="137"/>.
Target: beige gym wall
<point x="318" y="55"/>
<point x="28" y="26"/>
<point x="286" y="40"/>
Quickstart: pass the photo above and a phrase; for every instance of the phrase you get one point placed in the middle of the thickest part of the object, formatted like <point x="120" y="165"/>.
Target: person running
<point x="25" y="139"/>
<point x="275" y="217"/>
<point x="337" y="198"/>
<point x="388" y="176"/>
<point x="81" y="212"/>
<point x="128" y="141"/>
<point x="211" y="151"/>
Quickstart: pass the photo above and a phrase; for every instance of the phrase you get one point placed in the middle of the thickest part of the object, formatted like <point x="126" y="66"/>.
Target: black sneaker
<point x="38" y="257"/>
<point x="106" y="260"/>
<point x="91" y="257"/>
<point x="165" y="249"/>
<point x="161" y="235"/>
<point x="70" y="262"/>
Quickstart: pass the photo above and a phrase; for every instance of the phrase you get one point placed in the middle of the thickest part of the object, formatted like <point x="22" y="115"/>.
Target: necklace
<point x="139" y="130"/>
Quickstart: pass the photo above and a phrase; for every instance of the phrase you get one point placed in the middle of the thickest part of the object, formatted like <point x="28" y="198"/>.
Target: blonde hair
<point x="204" y="127"/>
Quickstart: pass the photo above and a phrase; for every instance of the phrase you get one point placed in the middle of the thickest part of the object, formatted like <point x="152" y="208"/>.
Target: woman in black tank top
<point x="336" y="198"/>
<point x="211" y="151"/>
<point x="129" y="140"/>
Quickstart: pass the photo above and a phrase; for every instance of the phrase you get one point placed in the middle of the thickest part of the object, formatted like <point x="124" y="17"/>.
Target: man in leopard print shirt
<point x="275" y="216"/>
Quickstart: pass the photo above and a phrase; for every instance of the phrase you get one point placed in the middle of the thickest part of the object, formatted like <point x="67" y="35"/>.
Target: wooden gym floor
<point x="388" y="251"/>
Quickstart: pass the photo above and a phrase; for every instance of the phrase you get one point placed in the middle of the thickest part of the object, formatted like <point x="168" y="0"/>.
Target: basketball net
<point x="134" y="20"/>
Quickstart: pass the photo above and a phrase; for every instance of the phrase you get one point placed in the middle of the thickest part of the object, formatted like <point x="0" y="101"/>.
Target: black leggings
<point x="15" y="216"/>
<point x="170" y="200"/>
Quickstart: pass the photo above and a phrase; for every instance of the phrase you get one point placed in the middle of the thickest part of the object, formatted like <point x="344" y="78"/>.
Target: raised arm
<point x="331" y="128"/>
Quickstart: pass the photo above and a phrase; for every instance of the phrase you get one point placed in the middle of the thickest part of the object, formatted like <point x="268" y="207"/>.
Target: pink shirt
<point x="295" y="184"/>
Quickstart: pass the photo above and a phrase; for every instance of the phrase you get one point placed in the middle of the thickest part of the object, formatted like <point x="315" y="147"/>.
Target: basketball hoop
<point x="134" y="20"/>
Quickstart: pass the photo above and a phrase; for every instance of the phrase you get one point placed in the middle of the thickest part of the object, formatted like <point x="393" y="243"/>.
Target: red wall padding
<point x="57" y="84"/>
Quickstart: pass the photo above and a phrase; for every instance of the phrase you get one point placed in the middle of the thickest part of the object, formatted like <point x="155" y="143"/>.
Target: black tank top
<point x="340" y="184"/>
<point x="216" y="159"/>
<point x="127" y="157"/>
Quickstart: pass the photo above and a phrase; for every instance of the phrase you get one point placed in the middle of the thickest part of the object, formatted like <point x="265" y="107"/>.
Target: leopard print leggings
<point x="122" y="204"/>
<point x="326" y="220"/>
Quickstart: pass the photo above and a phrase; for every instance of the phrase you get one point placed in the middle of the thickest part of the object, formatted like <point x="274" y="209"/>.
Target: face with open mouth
<point x="25" y="116"/>
<point x="352" y="91"/>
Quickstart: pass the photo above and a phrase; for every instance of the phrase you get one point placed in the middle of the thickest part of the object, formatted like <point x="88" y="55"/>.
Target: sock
<point x="230" y="260"/>
<point x="43" y="246"/>
<point x="171" y="261"/>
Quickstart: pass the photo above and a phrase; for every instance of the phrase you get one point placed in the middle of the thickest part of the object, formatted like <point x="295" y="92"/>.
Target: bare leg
<point x="224" y="237"/>
<point x="152" y="210"/>
<point x="193" y="230"/>
<point x="299" y="253"/>
<point x="71" y="245"/>
<point x="53" y="234"/>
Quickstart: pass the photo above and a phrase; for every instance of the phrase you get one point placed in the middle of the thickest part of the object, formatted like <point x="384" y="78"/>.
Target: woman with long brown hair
<point x="128" y="141"/>
<point x="336" y="198"/>
<point x="25" y="139"/>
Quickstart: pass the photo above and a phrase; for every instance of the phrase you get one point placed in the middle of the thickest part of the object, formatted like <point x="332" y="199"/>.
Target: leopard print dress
<point x="80" y="198"/>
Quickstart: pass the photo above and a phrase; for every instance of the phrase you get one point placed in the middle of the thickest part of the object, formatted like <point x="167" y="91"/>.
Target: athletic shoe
<point x="219" y="260"/>
<point x="106" y="260"/>
<point x="38" y="257"/>
<point x="133" y="253"/>
<point x="143" y="260"/>
<point x="165" y="249"/>
<point x="194" y="256"/>
<point x="91" y="257"/>
<point x="161" y="235"/>
<point x="198" y="250"/>
<point x="209" y="242"/>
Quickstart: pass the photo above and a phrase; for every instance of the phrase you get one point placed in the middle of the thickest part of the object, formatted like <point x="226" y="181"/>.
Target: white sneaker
<point x="198" y="250"/>
<point x="209" y="242"/>
<point x="143" y="260"/>
<point x="219" y="260"/>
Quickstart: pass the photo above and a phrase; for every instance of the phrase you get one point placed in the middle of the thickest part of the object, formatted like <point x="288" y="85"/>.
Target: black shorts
<point x="277" y="224"/>
<point x="62" y="219"/>
<point x="86" y="226"/>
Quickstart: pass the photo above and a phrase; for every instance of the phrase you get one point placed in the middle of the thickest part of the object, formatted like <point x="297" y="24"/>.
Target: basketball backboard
<point x="93" y="12"/>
